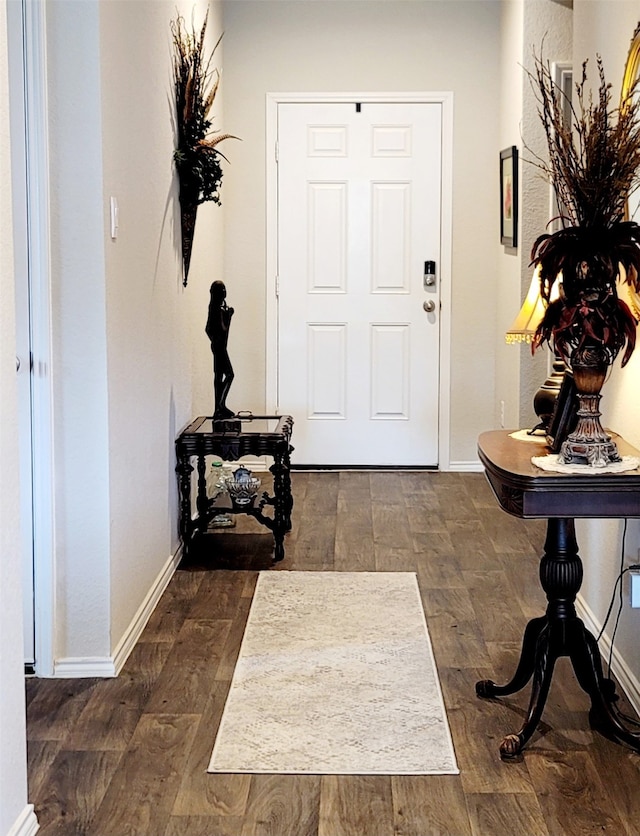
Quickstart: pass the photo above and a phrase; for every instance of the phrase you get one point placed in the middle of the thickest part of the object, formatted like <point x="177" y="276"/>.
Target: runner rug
<point x="335" y="676"/>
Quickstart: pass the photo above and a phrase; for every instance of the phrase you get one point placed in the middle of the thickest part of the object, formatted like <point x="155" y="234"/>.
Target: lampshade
<point x="530" y="314"/>
<point x="522" y="330"/>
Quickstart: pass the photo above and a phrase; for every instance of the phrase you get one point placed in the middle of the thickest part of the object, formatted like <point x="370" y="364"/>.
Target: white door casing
<point x="23" y="330"/>
<point x="29" y="114"/>
<point x="364" y="201"/>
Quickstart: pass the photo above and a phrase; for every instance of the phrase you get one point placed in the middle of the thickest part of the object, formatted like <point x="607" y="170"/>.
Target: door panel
<point x="358" y="215"/>
<point x="389" y="372"/>
<point x="326" y="395"/>
<point x="327" y="207"/>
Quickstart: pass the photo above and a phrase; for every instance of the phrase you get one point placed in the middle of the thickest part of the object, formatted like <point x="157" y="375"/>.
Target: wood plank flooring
<point x="128" y="756"/>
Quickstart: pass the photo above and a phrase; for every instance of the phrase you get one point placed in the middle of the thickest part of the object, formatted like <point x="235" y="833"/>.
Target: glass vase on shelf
<point x="221" y="473"/>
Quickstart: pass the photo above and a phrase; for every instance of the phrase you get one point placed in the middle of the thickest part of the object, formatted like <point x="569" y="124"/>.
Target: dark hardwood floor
<point x="127" y="756"/>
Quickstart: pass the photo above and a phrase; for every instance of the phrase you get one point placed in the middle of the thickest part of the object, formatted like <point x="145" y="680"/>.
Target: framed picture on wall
<point x="509" y="197"/>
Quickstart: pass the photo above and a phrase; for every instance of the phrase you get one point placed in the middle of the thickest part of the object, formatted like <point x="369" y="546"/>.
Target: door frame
<point x="38" y="256"/>
<point x="445" y="99"/>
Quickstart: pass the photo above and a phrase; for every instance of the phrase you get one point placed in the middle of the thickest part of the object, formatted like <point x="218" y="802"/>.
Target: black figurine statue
<point x="217" y="329"/>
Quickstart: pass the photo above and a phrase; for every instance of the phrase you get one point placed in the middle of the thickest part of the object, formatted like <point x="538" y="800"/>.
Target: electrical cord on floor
<point x="618" y="586"/>
<point x="622" y="573"/>
<point x="620" y="597"/>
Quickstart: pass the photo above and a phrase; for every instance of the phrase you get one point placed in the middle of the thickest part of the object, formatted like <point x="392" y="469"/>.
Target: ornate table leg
<point x="487" y="688"/>
<point x="282" y="502"/>
<point x="559" y="633"/>
<point x="202" y="501"/>
<point x="184" y="470"/>
<point x="286" y="485"/>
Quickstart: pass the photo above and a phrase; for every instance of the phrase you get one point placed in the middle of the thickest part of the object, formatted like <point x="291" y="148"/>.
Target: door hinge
<point x="277" y="151"/>
<point x="277" y="285"/>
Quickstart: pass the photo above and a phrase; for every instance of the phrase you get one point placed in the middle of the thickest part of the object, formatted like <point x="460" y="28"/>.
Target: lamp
<point x="522" y="330"/>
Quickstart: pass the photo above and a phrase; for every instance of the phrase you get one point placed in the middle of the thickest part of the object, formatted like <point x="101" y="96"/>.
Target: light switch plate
<point x="634" y="584"/>
<point x="113" y="205"/>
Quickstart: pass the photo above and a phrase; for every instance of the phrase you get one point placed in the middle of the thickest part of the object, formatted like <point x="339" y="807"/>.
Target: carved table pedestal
<point x="528" y="492"/>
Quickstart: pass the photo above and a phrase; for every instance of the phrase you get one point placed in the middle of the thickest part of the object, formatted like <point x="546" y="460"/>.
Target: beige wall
<point x="526" y="24"/>
<point x="159" y="358"/>
<point x="132" y="364"/>
<point x="605" y="27"/>
<point x="79" y="362"/>
<point x="548" y="23"/>
<point x="369" y="47"/>
<point x="508" y="292"/>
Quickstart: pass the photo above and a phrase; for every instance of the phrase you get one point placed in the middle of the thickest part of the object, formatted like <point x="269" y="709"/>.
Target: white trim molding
<point x="37" y="162"/>
<point x="83" y="667"/>
<point x="76" y="667"/>
<point x="473" y="466"/>
<point x="445" y="99"/>
<point x="142" y="616"/>
<point x="26" y="824"/>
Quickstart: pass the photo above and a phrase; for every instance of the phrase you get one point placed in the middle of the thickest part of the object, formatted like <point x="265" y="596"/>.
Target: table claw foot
<point x="485" y="688"/>
<point x="511" y="746"/>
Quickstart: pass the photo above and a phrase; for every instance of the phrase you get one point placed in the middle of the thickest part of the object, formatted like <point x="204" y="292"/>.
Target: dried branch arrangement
<point x="593" y="167"/>
<point x="196" y="156"/>
<point x="593" y="161"/>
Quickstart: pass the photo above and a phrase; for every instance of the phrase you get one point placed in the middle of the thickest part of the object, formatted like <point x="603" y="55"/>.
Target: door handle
<point x="429" y="306"/>
<point x="17" y="364"/>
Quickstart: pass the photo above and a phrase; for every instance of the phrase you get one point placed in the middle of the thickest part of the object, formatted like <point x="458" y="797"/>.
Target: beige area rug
<point x="335" y="676"/>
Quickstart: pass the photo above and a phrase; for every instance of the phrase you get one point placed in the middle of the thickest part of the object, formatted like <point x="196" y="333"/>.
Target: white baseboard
<point x="108" y="666"/>
<point x="80" y="667"/>
<point x="26" y="824"/>
<point x="257" y="464"/>
<point x="139" y="621"/>
<point x="619" y="668"/>
<point x="473" y="466"/>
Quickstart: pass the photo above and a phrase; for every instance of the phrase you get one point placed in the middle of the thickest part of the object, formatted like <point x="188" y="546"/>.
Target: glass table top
<point x="258" y="424"/>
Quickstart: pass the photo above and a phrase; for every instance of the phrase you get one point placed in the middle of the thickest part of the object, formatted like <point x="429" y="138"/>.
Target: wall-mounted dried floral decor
<point x="196" y="156"/>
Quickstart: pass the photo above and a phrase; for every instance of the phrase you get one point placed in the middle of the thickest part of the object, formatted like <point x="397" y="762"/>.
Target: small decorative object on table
<point x="242" y="486"/>
<point x="221" y="473"/>
<point x="593" y="163"/>
<point x="217" y="329"/>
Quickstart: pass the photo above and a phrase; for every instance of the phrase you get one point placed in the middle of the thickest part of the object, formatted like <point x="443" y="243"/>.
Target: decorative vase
<point x="188" y="213"/>
<point x="589" y="443"/>
<point x="243" y="487"/>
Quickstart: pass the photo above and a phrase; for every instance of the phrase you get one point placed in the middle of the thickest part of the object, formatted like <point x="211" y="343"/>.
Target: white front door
<point x="359" y="217"/>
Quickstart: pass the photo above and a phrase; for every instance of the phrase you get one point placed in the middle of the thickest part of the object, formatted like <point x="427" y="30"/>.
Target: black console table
<point x="245" y="435"/>
<point x="529" y="493"/>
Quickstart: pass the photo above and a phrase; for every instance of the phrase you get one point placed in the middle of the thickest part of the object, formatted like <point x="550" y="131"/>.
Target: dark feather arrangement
<point x="593" y="164"/>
